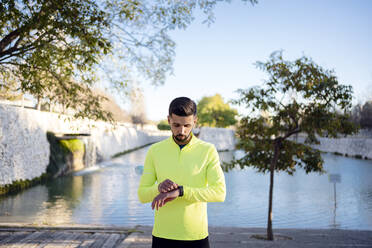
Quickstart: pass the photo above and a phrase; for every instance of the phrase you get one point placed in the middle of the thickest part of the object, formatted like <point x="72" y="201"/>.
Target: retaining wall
<point x="24" y="148"/>
<point x="359" y="145"/>
<point x="222" y="138"/>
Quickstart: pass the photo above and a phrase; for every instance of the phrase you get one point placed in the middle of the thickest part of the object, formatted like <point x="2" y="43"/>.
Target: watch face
<point x="180" y="188"/>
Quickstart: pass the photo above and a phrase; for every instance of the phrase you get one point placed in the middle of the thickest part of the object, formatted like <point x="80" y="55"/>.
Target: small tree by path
<point x="214" y="112"/>
<point x="298" y="97"/>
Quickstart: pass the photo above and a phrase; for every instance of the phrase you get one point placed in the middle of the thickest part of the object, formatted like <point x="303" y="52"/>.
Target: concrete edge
<point x="31" y="226"/>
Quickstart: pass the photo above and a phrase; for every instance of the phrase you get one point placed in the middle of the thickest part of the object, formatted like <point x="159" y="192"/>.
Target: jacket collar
<point x="191" y="143"/>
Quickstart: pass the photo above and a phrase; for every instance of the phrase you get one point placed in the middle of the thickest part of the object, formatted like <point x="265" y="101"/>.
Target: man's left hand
<point x="167" y="185"/>
<point x="163" y="198"/>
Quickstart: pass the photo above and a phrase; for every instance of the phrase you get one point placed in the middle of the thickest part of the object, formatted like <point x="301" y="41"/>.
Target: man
<point x="181" y="174"/>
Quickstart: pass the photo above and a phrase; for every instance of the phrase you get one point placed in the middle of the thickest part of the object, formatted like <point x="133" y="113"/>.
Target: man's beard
<point x="182" y="138"/>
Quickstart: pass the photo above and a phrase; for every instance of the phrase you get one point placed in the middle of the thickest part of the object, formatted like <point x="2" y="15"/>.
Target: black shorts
<point x="170" y="243"/>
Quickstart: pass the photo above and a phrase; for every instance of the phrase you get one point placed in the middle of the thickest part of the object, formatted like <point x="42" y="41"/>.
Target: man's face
<point x="181" y="126"/>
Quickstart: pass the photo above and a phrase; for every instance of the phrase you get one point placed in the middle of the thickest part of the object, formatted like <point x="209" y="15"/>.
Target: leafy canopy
<point x="49" y="49"/>
<point x="57" y="50"/>
<point x="214" y="112"/>
<point x="163" y="125"/>
<point x="298" y="97"/>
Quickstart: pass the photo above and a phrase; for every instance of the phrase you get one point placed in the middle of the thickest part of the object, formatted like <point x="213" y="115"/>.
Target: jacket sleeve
<point x="148" y="187"/>
<point x="215" y="191"/>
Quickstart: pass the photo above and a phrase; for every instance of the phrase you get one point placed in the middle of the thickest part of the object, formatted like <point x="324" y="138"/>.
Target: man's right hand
<point x="166" y="186"/>
<point x="163" y="198"/>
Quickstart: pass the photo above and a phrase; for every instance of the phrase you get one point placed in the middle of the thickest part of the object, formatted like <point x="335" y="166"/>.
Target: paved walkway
<point x="18" y="235"/>
<point x="222" y="237"/>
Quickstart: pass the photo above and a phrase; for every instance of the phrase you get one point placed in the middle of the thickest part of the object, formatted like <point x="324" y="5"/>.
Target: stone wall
<point x="359" y="145"/>
<point x="24" y="148"/>
<point x="222" y="138"/>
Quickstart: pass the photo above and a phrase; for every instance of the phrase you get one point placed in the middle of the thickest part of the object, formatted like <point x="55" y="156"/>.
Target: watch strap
<point x="180" y="188"/>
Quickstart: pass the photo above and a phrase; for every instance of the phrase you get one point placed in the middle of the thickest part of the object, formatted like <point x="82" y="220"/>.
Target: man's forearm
<point x="213" y="193"/>
<point x="147" y="193"/>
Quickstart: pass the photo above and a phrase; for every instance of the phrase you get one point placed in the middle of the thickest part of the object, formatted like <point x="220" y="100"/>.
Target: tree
<point x="58" y="49"/>
<point x="9" y="92"/>
<point x="356" y="114"/>
<point x="214" y="112"/>
<point x="138" y="110"/>
<point x="361" y="115"/>
<point x="111" y="106"/>
<point x="366" y="115"/>
<point x="49" y="49"/>
<point x="163" y="125"/>
<point x="298" y="97"/>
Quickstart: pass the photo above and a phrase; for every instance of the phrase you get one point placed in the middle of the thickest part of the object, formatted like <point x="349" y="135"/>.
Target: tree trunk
<point x="38" y="105"/>
<point x="270" y="235"/>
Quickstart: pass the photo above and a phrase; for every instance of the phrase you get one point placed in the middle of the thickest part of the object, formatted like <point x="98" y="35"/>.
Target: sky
<point x="336" y="34"/>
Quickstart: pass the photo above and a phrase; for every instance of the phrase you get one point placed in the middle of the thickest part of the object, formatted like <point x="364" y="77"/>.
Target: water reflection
<point x="107" y="194"/>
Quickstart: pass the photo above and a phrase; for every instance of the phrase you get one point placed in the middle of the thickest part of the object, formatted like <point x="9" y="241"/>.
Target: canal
<point x="106" y="194"/>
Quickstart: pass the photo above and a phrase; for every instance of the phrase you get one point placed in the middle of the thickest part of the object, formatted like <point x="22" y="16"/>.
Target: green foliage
<point x="20" y="185"/>
<point x="10" y="96"/>
<point x="50" y="47"/>
<point x="129" y="151"/>
<point x="57" y="50"/>
<point x="214" y="112"/>
<point x="9" y="91"/>
<point x="60" y="153"/>
<point x="164" y="125"/>
<point x="72" y="145"/>
<point x="298" y="97"/>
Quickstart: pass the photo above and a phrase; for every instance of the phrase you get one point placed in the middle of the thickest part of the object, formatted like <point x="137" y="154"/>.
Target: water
<point x="106" y="194"/>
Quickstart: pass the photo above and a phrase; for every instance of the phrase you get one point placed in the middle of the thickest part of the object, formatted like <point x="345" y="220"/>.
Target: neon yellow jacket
<point x="197" y="168"/>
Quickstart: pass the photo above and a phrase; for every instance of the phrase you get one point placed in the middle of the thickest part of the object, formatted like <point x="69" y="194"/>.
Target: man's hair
<point x="182" y="106"/>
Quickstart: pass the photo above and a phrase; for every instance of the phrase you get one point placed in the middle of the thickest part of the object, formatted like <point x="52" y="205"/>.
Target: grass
<point x="338" y="153"/>
<point x="130" y="150"/>
<point x="20" y="185"/>
<point x="73" y="145"/>
<point x="358" y="156"/>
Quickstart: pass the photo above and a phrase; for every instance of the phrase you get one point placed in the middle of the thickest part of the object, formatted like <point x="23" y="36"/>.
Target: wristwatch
<point x="180" y="188"/>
